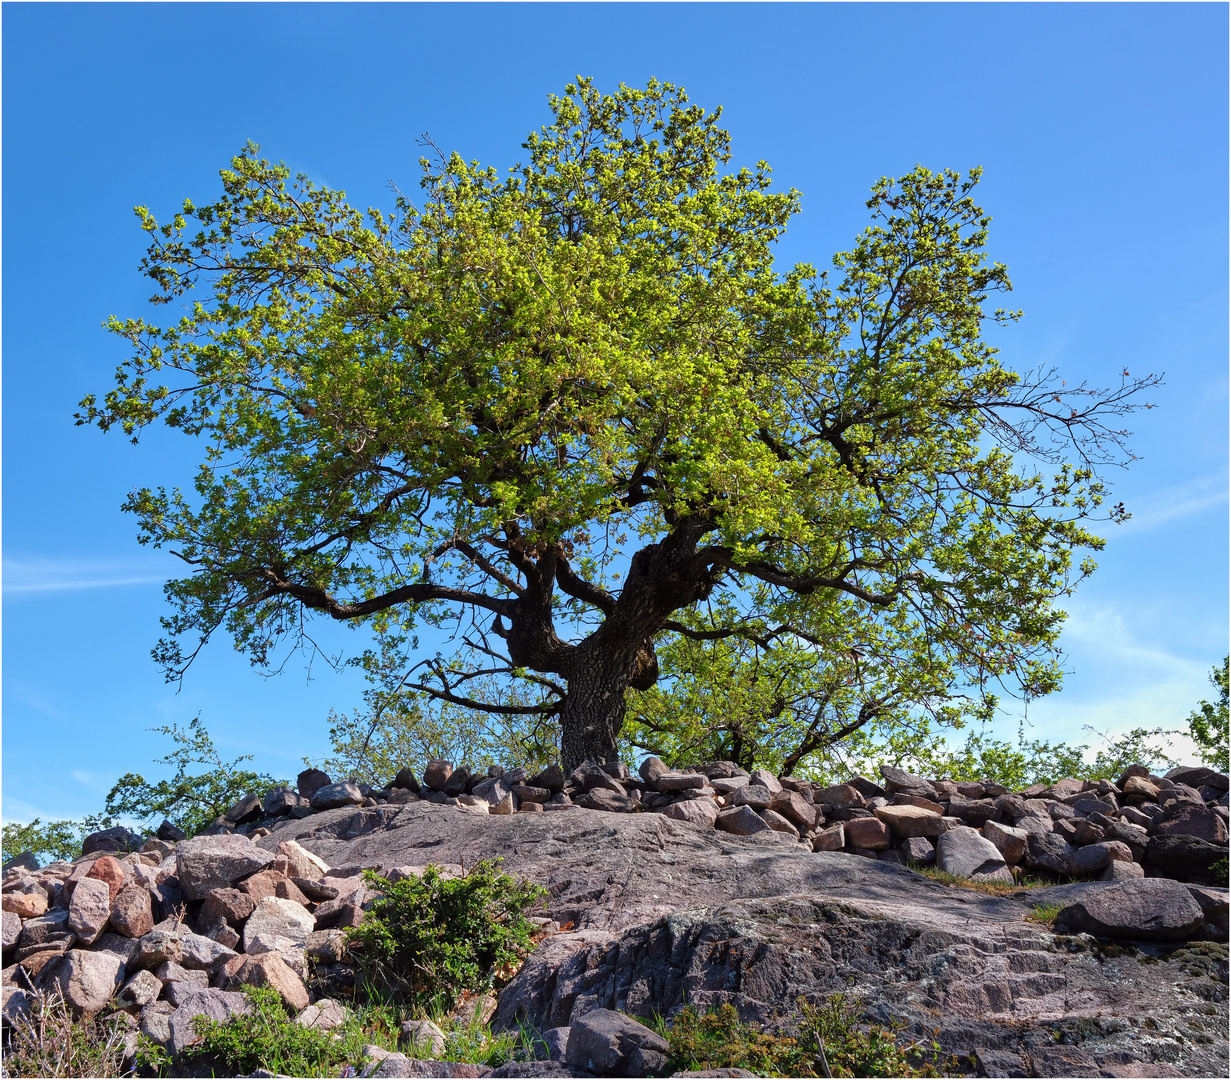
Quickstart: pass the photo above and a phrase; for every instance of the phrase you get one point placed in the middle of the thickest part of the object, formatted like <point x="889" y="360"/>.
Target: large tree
<point x="567" y="410"/>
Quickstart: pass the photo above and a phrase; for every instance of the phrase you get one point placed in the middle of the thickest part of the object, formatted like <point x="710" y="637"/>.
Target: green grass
<point x="991" y="888"/>
<point x="1045" y="914"/>
<point x="826" y="1040"/>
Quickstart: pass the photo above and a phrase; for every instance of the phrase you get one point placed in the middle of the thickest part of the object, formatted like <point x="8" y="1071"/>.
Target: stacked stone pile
<point x="1142" y="825"/>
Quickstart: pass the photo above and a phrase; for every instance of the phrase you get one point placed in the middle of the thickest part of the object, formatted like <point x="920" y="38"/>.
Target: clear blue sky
<point x="1102" y="129"/>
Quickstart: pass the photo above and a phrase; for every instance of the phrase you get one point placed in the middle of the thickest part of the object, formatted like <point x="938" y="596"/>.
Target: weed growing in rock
<point x="828" y="1040"/>
<point x="991" y="888"/>
<point x="48" y="1041"/>
<point x="1044" y="913"/>
<point x="428" y="940"/>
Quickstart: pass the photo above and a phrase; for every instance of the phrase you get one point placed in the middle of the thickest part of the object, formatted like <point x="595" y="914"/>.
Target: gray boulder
<point x="331" y="796"/>
<point x="86" y="980"/>
<point x="1153" y="909"/>
<point x="211" y="862"/>
<point x="310" y="781"/>
<point x="703" y="812"/>
<point x="90" y="909"/>
<point x="609" y="1043"/>
<point x="962" y="851"/>
<point x="281" y="923"/>
<point x="742" y="821"/>
<point x="12" y="929"/>
<point x="218" y="1005"/>
<point x="116" y="839"/>
<point x="1047" y="851"/>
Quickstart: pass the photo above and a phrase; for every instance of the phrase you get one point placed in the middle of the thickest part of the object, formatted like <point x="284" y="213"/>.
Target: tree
<point x="189" y="800"/>
<point x="559" y="410"/>
<point x="1207" y="724"/>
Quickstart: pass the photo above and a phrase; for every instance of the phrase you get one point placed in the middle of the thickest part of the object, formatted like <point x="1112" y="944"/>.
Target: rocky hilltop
<point x="707" y="886"/>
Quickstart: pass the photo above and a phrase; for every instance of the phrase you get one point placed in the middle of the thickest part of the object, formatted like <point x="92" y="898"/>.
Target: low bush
<point x="428" y="940"/>
<point x="827" y="1040"/>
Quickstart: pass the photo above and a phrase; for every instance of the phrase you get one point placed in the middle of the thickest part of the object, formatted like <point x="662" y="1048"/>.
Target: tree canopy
<point x="575" y="410"/>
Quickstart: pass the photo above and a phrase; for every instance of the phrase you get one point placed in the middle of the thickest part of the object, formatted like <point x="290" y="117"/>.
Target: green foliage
<point x="266" y="1037"/>
<point x="1045" y="913"/>
<point x="191" y="800"/>
<point x="55" y="840"/>
<point x="428" y="940"/>
<point x="828" y="1040"/>
<point x="553" y="409"/>
<point x="1207" y="724"/>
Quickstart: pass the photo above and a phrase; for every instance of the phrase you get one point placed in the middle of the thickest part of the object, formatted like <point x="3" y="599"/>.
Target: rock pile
<point x="1142" y="825"/>
<point x="175" y="929"/>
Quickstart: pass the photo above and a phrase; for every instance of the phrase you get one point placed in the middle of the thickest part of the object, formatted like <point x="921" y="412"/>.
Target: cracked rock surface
<point x="665" y="911"/>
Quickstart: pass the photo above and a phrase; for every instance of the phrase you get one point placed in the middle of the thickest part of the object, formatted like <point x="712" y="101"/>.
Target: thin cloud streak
<point x="25" y="575"/>
<point x="1171" y="503"/>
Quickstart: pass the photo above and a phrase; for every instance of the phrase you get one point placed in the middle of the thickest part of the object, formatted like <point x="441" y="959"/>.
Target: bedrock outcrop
<point x="656" y="912"/>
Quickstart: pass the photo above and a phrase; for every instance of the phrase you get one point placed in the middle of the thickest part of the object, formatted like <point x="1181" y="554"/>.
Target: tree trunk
<point x="592" y="717"/>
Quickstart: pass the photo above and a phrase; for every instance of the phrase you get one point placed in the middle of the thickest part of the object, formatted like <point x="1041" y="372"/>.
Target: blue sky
<point x="1102" y="130"/>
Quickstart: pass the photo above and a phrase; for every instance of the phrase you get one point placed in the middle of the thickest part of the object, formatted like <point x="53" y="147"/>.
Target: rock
<point x="830" y="839"/>
<point x="1122" y="871"/>
<point x="1191" y="820"/>
<point x="25" y="905"/>
<point x="225" y="934"/>
<point x="741" y="820"/>
<point x="962" y="851"/>
<point x="17" y="1005"/>
<point x="651" y="769"/>
<point x="753" y="795"/>
<point x="25" y="861"/>
<point x="1047" y="851"/>
<point x="972" y="811"/>
<point x="766" y="779"/>
<point x="869" y="833"/>
<point x="551" y="778"/>
<point x="456" y="784"/>
<point x="839" y="797"/>
<point x="89" y="909"/>
<point x="555" y="1043"/>
<point x="599" y="798"/>
<point x="268" y="969"/>
<point x="609" y="1043"/>
<point x="283" y="920"/>
<point x="898" y="780"/>
<point x="1094" y="857"/>
<point x="155" y="1021"/>
<point x="205" y="863"/>
<point x="331" y="796"/>
<point x="310" y="781"/>
<point x="324" y="1015"/>
<point x="86" y="980"/>
<point x="302" y="863"/>
<point x="262" y="884"/>
<point x="1009" y="841"/>
<point x="219" y="1005"/>
<point x="778" y="823"/>
<point x="918" y="849"/>
<point x="170" y="833"/>
<point x="12" y="930"/>
<point x="529" y="793"/>
<point x="247" y="809"/>
<point x="108" y="869"/>
<point x="588" y="776"/>
<point x="227" y="905"/>
<point x="422" y="1038"/>
<point x="795" y="808"/>
<point x="1152" y="909"/>
<point x="115" y="839"/>
<point x="281" y="801"/>
<point x="201" y="953"/>
<point x="132" y="912"/>
<point x="703" y="812"/>
<point x="680" y="781"/>
<point x="437" y="774"/>
<point x="36" y="930"/>
<point x="1198" y="775"/>
<point x="1186" y="858"/>
<point x="141" y="989"/>
<point x="156" y="948"/>
<point x="907" y="821"/>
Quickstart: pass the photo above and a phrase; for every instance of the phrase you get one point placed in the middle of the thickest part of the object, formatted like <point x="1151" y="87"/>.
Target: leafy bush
<point x="50" y="1042"/>
<point x="428" y="940"/>
<point x="828" y="1040"/>
<point x="266" y="1037"/>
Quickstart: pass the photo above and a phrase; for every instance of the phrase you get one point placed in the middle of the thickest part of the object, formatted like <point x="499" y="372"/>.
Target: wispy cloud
<point x="39" y="575"/>
<point x="1176" y="501"/>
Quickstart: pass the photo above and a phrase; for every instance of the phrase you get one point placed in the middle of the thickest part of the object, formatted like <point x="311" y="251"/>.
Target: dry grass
<point x="49" y="1042"/>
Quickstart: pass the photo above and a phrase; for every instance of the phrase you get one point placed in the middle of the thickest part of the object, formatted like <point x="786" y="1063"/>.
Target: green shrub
<point x="266" y="1037"/>
<point x="50" y="1042"/>
<point x="428" y="940"/>
<point x="828" y="1040"/>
